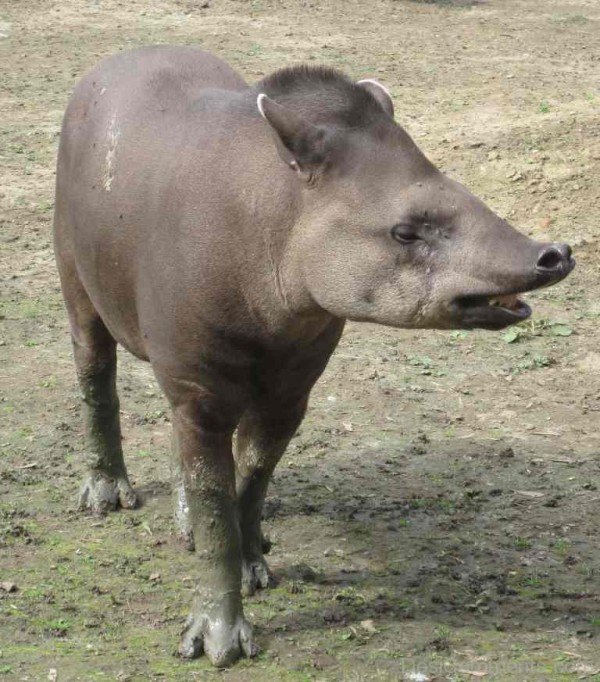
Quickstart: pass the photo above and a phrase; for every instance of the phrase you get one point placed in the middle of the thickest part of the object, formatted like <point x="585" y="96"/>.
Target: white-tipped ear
<point x="302" y="145"/>
<point x="260" y="104"/>
<point x="378" y="84"/>
<point x="380" y="93"/>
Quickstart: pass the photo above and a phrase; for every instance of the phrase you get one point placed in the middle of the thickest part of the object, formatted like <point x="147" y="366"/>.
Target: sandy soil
<point x="437" y="514"/>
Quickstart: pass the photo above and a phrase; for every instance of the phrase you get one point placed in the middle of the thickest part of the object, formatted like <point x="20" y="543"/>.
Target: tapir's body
<point x="224" y="233"/>
<point x="173" y="235"/>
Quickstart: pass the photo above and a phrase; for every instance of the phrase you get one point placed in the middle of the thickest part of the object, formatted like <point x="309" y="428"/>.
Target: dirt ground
<point x="436" y="517"/>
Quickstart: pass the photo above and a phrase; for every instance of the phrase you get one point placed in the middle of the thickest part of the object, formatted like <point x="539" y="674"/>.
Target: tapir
<point x="224" y="232"/>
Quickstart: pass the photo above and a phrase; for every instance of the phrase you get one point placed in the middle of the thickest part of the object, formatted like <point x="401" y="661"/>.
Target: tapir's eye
<point x="405" y="234"/>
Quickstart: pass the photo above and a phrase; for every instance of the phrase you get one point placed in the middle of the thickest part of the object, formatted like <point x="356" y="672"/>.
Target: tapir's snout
<point x="531" y="265"/>
<point x="554" y="262"/>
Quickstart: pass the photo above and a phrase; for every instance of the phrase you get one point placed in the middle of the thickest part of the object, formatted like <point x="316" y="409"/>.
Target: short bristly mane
<point x="322" y="94"/>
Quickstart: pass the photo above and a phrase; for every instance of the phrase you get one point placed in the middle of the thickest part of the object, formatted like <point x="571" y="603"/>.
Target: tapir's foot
<point x="265" y="542"/>
<point x="255" y="575"/>
<point x="102" y="493"/>
<point x="222" y="643"/>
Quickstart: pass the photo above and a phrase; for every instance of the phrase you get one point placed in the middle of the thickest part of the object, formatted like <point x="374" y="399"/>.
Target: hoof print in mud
<point x="222" y="643"/>
<point x="102" y="494"/>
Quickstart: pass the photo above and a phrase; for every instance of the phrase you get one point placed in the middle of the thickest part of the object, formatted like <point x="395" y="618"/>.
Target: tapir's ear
<point x="380" y="93"/>
<point x="302" y="145"/>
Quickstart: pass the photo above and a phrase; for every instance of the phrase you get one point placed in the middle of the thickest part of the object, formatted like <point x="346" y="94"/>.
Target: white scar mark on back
<point x="109" y="161"/>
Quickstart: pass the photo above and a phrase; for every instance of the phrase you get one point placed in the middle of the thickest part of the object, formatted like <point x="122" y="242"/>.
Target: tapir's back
<point x="125" y="135"/>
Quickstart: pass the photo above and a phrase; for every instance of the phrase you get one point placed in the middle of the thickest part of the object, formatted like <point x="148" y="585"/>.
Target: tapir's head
<point x="385" y="236"/>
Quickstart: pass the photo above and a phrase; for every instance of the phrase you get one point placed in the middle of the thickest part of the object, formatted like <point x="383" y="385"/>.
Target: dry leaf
<point x="368" y="625"/>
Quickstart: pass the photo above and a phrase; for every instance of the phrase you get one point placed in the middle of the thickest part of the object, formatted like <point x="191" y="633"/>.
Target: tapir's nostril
<point x="554" y="257"/>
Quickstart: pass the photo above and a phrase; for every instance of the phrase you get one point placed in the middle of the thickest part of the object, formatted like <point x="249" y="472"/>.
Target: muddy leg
<point x="263" y="435"/>
<point x="107" y="485"/>
<point x="181" y="509"/>
<point x="216" y="625"/>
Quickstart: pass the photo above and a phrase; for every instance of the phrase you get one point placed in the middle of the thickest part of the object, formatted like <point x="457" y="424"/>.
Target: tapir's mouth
<point x="493" y="311"/>
<point x="498" y="310"/>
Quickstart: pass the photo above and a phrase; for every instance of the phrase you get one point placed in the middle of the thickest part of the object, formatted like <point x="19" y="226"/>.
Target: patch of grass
<point x="522" y="543"/>
<point x="59" y="627"/>
<point x="532" y="363"/>
<point x="46" y="206"/>
<point x="30" y="308"/>
<point x="255" y="50"/>
<point x="349" y="595"/>
<point x="536" y="327"/>
<point x="573" y="19"/>
<point x="532" y="581"/>
<point x="562" y="547"/>
<point x="48" y="382"/>
<point x="531" y="586"/>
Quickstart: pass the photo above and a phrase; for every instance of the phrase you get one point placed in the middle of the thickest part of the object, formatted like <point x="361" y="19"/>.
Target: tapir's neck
<point x="272" y="279"/>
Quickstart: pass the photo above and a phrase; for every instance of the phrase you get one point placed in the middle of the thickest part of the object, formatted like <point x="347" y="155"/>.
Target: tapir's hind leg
<point x="263" y="435"/>
<point x="106" y="485"/>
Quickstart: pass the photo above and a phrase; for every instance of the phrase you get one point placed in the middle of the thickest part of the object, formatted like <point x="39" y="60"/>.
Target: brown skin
<point x="181" y="234"/>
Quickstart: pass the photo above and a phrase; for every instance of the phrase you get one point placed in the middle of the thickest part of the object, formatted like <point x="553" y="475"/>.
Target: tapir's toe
<point x="101" y="493"/>
<point x="222" y="643"/>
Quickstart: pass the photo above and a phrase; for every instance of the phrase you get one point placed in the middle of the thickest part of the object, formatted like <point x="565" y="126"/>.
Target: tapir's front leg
<point x="263" y="435"/>
<point x="216" y="625"/>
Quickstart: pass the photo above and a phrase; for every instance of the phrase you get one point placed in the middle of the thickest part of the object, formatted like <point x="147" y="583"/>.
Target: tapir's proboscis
<point x="225" y="233"/>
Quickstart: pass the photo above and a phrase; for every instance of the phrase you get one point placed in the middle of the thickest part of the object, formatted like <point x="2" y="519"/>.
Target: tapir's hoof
<point x="186" y="538"/>
<point x="223" y="644"/>
<point x="101" y="493"/>
<point x="255" y="576"/>
<point x="266" y="543"/>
